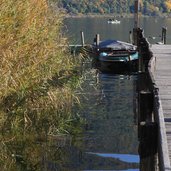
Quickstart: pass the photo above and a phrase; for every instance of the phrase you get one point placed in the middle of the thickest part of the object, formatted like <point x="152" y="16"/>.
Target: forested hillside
<point x="147" y="7"/>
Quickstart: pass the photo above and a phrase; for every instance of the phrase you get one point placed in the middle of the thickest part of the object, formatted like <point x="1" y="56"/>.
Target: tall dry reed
<point x="30" y="60"/>
<point x="37" y="79"/>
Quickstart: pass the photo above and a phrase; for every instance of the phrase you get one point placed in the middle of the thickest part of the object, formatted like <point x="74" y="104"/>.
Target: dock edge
<point x="163" y="152"/>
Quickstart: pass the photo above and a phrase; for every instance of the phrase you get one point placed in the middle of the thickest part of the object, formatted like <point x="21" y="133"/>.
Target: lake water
<point x="111" y="141"/>
<point x="91" y="26"/>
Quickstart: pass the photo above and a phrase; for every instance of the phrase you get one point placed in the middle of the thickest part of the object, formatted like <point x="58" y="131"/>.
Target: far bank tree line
<point x="147" y="7"/>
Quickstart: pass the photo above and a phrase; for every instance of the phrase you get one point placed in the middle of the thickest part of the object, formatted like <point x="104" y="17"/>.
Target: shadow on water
<point x="106" y="141"/>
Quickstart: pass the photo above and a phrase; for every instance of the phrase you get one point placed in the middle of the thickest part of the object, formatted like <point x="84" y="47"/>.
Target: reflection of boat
<point x="116" y="56"/>
<point x="113" y="21"/>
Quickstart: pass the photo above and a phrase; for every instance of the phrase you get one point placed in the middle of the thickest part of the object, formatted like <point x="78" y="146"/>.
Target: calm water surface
<point x="91" y="26"/>
<point x="110" y="139"/>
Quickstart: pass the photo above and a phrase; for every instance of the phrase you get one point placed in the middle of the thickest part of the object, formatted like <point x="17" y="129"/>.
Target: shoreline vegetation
<point x="113" y="16"/>
<point x="109" y="7"/>
<point x="38" y="83"/>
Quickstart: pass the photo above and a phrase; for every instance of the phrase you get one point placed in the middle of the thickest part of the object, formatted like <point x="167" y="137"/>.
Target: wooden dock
<point x="160" y="70"/>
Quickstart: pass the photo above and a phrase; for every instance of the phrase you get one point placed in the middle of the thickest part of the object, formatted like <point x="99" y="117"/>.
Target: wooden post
<point x="162" y="37"/>
<point x="148" y="145"/>
<point x="136" y="22"/>
<point x="164" y="29"/>
<point x="145" y="106"/>
<point x="136" y="16"/>
<point x="97" y="40"/>
<point x="135" y="36"/>
<point x="147" y="127"/>
<point x="140" y="62"/>
<point x="130" y="37"/>
<point x="82" y="39"/>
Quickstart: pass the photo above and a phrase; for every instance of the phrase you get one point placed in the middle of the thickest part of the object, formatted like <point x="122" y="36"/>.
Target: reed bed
<point x="38" y="77"/>
<point x="36" y="74"/>
<point x="31" y="57"/>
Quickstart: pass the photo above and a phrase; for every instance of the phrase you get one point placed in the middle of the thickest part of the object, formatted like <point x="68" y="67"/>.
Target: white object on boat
<point x="112" y="21"/>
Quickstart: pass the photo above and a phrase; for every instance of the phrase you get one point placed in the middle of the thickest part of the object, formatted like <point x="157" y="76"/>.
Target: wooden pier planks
<point x="162" y="78"/>
<point x="162" y="75"/>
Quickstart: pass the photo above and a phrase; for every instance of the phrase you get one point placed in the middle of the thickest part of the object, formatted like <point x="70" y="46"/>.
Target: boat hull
<point x="117" y="66"/>
<point x="116" y="57"/>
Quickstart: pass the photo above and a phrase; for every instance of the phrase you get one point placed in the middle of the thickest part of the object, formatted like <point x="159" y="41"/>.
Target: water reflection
<point x="152" y="27"/>
<point x="129" y="158"/>
<point x="110" y="128"/>
<point x="109" y="132"/>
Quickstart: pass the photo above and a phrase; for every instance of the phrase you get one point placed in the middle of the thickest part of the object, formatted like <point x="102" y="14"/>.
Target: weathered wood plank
<point x="162" y="76"/>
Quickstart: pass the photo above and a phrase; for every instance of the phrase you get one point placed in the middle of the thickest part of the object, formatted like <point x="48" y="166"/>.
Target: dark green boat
<point x="116" y="56"/>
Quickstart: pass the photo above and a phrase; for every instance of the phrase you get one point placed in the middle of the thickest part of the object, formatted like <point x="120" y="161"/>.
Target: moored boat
<point x="116" y="56"/>
<point x="113" y="21"/>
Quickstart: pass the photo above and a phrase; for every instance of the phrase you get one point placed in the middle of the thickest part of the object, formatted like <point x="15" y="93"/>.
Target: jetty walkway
<point x="160" y="69"/>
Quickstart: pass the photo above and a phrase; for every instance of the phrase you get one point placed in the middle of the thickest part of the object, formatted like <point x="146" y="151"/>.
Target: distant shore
<point x="98" y="15"/>
<point x="112" y="15"/>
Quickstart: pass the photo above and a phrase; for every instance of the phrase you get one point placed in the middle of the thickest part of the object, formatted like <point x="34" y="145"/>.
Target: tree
<point x="168" y="5"/>
<point x="147" y="7"/>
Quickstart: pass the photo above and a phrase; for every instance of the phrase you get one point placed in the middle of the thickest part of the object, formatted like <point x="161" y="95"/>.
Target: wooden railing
<point x="163" y="153"/>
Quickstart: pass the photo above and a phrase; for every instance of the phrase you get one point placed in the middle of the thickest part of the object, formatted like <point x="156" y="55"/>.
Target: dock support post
<point x="148" y="146"/>
<point x="130" y="37"/>
<point x="97" y="40"/>
<point x="145" y="106"/>
<point x="140" y="61"/>
<point x="147" y="127"/>
<point x="136" y="16"/>
<point x="135" y="36"/>
<point x="147" y="132"/>
<point x="82" y="39"/>
<point x="164" y="29"/>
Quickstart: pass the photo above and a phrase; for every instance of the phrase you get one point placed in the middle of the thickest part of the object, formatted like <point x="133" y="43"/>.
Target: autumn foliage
<point x="31" y="59"/>
<point x="147" y="7"/>
<point x="168" y="4"/>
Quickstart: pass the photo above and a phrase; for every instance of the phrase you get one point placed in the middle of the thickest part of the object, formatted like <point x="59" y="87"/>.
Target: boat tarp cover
<point x="116" y="45"/>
